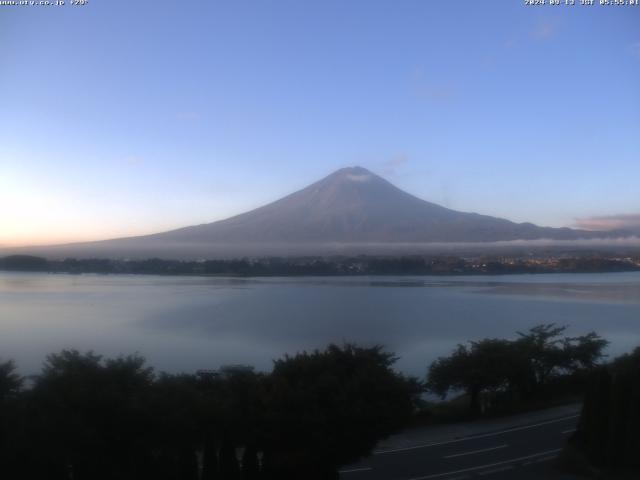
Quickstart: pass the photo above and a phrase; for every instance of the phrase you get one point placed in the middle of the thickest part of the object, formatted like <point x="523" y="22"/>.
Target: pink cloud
<point x="610" y="222"/>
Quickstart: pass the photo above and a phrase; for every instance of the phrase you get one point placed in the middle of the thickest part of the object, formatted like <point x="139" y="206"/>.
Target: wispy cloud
<point x="395" y="163"/>
<point x="544" y="30"/>
<point x="610" y="222"/>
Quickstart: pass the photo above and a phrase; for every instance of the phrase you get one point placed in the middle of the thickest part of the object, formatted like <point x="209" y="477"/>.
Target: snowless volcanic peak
<point x="354" y="205"/>
<point x="356" y="174"/>
<point x="351" y="208"/>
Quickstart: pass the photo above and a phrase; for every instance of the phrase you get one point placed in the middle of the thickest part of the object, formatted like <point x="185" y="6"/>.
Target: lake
<point x="188" y="323"/>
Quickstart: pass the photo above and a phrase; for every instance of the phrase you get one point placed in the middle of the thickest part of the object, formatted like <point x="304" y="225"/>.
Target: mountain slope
<point x="355" y="205"/>
<point x="350" y="211"/>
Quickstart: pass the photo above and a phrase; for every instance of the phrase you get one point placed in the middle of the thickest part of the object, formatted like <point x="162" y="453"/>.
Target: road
<point x="524" y="452"/>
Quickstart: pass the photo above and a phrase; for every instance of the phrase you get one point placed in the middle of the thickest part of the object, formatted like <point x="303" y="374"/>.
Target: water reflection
<point x="185" y="323"/>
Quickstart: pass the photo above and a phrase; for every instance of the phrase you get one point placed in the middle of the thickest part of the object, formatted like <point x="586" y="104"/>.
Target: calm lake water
<point x="187" y="323"/>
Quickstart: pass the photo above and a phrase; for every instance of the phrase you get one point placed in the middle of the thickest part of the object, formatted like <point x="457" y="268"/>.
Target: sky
<point x="120" y="118"/>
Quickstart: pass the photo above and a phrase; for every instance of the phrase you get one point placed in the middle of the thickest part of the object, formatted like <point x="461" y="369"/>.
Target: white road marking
<point x="496" y="470"/>
<point x="353" y="470"/>
<point x="568" y="431"/>
<point x="480" y="467"/>
<point x="476" y="451"/>
<point x="473" y="437"/>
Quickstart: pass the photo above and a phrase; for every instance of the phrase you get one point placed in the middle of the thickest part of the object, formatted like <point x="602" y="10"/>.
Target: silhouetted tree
<point x="328" y="408"/>
<point x="88" y="416"/>
<point x="24" y="263"/>
<point x="480" y="367"/>
<point x="85" y="417"/>
<point x="10" y="381"/>
<point x="542" y="347"/>
<point x="548" y="354"/>
<point x="10" y="387"/>
<point x="514" y="367"/>
<point x="610" y="420"/>
<point x="176" y="404"/>
<point x="250" y="466"/>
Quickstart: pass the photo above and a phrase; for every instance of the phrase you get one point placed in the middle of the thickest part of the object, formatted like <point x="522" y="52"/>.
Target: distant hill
<point x="350" y="209"/>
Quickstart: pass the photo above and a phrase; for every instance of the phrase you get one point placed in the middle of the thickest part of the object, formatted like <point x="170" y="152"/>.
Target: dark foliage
<point x="493" y="369"/>
<point x="340" y="401"/>
<point x="10" y="381"/>
<point x="610" y="421"/>
<point x="317" y="266"/>
<point x="24" y="263"/>
<point x="86" y="417"/>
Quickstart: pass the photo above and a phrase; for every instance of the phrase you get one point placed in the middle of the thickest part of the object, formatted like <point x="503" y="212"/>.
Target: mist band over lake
<point x="188" y="323"/>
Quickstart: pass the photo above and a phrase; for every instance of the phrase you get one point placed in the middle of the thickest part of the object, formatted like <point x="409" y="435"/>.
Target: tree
<point x="515" y="367"/>
<point x="542" y="348"/>
<point x="487" y="365"/>
<point x="231" y="417"/>
<point x="608" y="429"/>
<point x="328" y="408"/>
<point x="10" y="387"/>
<point x="175" y="407"/>
<point x="548" y="354"/>
<point x="584" y="352"/>
<point x="26" y="263"/>
<point x="88" y="418"/>
<point x="10" y="381"/>
<point x="627" y="363"/>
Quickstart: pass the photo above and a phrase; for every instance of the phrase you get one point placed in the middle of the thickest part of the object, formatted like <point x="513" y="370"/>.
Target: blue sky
<point x="122" y="117"/>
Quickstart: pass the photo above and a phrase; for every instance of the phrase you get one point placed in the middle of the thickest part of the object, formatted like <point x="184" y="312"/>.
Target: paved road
<point x="523" y="452"/>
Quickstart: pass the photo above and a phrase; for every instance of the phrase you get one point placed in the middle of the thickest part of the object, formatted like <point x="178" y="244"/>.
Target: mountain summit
<point x="354" y="205"/>
<point x="350" y="210"/>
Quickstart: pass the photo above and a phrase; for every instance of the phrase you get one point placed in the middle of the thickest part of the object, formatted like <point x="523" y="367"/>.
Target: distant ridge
<point x="348" y="208"/>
